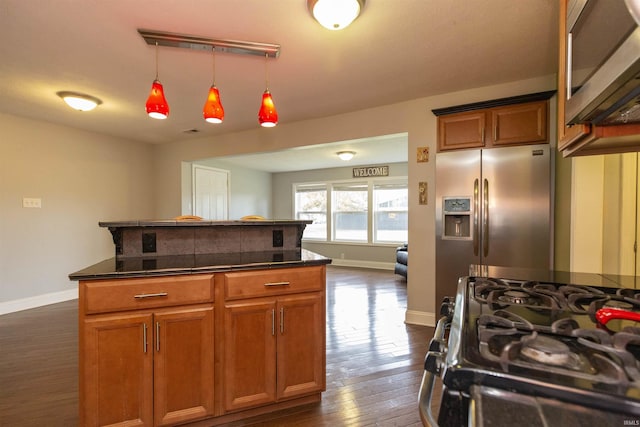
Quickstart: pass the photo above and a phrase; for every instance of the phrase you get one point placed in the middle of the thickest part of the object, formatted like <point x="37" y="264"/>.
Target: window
<point x="391" y="212"/>
<point x="349" y="212"/>
<point x="311" y="203"/>
<point x="373" y="211"/>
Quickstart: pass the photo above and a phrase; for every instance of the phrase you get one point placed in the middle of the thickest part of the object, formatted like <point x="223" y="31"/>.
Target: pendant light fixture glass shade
<point x="267" y="116"/>
<point x="157" y="106"/>
<point x="212" y="110"/>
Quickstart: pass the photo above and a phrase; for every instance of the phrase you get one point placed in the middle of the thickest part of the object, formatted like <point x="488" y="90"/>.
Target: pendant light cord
<point x="266" y="71"/>
<point x="213" y="54"/>
<point x="156" y="60"/>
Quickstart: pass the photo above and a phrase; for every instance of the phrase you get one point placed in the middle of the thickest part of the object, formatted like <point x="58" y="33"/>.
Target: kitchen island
<point x="201" y="338"/>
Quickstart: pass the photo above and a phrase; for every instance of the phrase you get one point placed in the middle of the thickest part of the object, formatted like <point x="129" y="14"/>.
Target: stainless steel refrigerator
<point x="493" y="208"/>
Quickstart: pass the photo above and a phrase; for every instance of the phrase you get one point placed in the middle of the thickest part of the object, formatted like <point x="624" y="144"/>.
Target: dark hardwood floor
<point x="374" y="360"/>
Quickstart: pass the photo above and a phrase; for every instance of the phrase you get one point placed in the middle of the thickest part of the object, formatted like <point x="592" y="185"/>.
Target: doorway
<point x="210" y="199"/>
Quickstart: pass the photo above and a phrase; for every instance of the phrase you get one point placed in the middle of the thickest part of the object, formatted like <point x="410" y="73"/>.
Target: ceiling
<point x="395" y="51"/>
<point x="382" y="149"/>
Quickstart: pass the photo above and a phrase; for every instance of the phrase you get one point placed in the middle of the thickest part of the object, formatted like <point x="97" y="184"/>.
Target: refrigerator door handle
<point x="485" y="218"/>
<point x="476" y="230"/>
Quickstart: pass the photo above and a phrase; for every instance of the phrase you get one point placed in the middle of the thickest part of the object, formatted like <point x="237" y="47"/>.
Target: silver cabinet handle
<point x="157" y="337"/>
<point x="281" y="320"/>
<point x="485" y="220"/>
<point x="277" y="284"/>
<point x="157" y="294"/>
<point x="144" y="337"/>
<point x="273" y="322"/>
<point x="476" y="207"/>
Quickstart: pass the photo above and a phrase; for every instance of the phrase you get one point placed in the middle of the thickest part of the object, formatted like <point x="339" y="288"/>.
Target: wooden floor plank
<point x="374" y="360"/>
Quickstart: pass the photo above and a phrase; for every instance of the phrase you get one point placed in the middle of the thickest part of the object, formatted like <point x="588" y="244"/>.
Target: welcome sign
<point x="370" y="171"/>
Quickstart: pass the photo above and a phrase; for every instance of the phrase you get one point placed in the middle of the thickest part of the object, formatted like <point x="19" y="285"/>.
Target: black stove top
<point x="570" y="343"/>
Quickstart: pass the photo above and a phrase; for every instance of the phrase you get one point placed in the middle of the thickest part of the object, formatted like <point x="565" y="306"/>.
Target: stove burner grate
<point x="498" y="294"/>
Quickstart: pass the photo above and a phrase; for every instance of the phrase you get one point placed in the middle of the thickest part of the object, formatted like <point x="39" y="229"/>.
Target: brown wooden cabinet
<point x="188" y="349"/>
<point x="116" y="371"/>
<point x="141" y="363"/>
<point x="523" y="123"/>
<point x="274" y="346"/>
<point x="462" y="130"/>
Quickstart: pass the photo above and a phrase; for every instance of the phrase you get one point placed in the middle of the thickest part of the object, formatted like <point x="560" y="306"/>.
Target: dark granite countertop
<point x="197" y="263"/>
<point x="556" y="276"/>
<point x="199" y="223"/>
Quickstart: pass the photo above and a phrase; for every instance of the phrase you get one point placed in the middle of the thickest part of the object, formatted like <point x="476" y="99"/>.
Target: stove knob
<point x="447" y="306"/>
<point x="433" y="362"/>
<point x="433" y="359"/>
<point x="435" y="346"/>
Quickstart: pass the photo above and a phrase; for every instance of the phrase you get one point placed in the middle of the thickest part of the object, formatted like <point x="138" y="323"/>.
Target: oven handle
<point x="433" y="359"/>
<point x="605" y="314"/>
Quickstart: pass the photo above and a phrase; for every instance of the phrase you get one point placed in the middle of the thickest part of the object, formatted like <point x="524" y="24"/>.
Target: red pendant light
<point x="267" y="116"/>
<point x="157" y="106"/>
<point x="213" y="112"/>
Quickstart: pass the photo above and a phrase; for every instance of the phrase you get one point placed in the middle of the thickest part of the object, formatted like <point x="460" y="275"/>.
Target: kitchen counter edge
<point x="107" y="269"/>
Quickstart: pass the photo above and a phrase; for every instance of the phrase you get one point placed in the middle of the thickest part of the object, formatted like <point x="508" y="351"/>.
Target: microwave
<point x="603" y="62"/>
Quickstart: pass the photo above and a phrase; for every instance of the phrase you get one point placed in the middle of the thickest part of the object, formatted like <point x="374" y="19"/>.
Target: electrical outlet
<point x="31" y="202"/>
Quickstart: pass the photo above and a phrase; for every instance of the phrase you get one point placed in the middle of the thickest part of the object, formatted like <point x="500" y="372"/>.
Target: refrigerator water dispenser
<point x="456" y="214"/>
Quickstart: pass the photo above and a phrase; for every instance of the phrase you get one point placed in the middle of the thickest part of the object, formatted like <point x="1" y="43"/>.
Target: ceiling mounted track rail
<point x="184" y="41"/>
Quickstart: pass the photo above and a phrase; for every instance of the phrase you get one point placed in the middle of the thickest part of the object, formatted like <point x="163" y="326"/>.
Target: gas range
<point x="535" y="353"/>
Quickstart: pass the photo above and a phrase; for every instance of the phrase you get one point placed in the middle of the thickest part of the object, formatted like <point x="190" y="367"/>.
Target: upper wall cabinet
<point x="507" y="121"/>
<point x="586" y="138"/>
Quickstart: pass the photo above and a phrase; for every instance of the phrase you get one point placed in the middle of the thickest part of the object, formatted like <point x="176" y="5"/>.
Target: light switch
<point x="31" y="202"/>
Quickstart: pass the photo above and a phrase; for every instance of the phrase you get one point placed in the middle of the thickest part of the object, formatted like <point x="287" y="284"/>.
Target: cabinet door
<point x="183" y="365"/>
<point x="519" y="124"/>
<point x="461" y="130"/>
<point x="117" y="371"/>
<point x="301" y="345"/>
<point x="249" y="354"/>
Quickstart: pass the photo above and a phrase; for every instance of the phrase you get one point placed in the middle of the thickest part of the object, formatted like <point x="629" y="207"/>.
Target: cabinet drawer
<point x="133" y="294"/>
<point x="260" y="283"/>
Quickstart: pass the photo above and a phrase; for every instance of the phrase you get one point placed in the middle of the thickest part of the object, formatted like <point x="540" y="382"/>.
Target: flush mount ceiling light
<point x="346" y="155"/>
<point x="79" y="101"/>
<point x="335" y="14"/>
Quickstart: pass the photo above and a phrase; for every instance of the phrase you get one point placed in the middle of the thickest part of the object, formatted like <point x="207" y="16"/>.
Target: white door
<point x="210" y="192"/>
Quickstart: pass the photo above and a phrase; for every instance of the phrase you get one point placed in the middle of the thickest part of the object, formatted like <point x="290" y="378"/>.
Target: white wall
<point x="82" y="178"/>
<point x="413" y="117"/>
<point x="603" y="226"/>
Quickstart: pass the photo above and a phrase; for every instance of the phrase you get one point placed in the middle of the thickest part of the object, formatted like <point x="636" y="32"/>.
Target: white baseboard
<point x="37" y="301"/>
<point x="363" y="264"/>
<point x="421" y="318"/>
